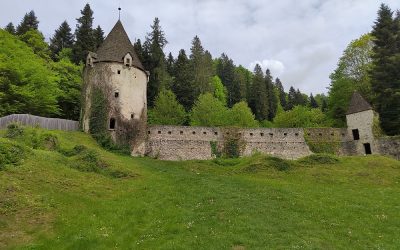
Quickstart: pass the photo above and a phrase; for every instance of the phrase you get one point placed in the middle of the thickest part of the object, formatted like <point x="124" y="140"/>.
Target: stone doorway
<point x="367" y="148"/>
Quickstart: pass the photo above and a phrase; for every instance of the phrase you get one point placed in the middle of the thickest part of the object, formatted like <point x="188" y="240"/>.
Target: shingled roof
<point x="116" y="46"/>
<point x="357" y="104"/>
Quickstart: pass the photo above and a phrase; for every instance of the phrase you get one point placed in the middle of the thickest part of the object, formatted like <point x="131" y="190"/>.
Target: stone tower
<point x="360" y="117"/>
<point x="114" y="92"/>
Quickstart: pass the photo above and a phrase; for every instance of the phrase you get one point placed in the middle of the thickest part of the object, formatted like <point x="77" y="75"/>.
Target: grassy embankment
<point x="59" y="195"/>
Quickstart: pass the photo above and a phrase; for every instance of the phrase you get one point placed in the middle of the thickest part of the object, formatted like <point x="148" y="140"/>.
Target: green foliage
<point x="240" y="115"/>
<point x="98" y="35"/>
<point x="301" y="117"/>
<point x="11" y="153"/>
<point x="233" y="143"/>
<point x="35" y="40"/>
<point x="167" y="110"/>
<point x="322" y="145"/>
<point x="225" y="70"/>
<point x="14" y="130"/>
<point x="69" y="83"/>
<point x="319" y="159"/>
<point x="208" y="111"/>
<point x="351" y="74"/>
<point x="202" y="67"/>
<point x="219" y="89"/>
<point x="99" y="110"/>
<point x="259" y="101"/>
<point x="271" y="96"/>
<point x="215" y="150"/>
<point x="27" y="85"/>
<point x="376" y="127"/>
<point x="265" y="163"/>
<point x="10" y="28"/>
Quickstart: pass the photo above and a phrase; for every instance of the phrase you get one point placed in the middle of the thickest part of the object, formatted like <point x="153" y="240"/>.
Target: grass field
<point x="65" y="196"/>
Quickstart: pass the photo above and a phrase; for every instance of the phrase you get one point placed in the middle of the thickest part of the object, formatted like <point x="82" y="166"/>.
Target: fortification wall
<point x="389" y="146"/>
<point x="184" y="143"/>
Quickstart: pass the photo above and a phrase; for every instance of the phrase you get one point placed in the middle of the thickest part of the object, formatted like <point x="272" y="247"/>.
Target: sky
<point x="299" y="41"/>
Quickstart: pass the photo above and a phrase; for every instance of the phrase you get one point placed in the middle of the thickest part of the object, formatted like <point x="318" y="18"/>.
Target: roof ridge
<point x="357" y="104"/>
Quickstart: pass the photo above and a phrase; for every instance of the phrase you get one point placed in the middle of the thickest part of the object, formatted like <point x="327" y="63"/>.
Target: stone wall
<point x="389" y="146"/>
<point x="184" y="143"/>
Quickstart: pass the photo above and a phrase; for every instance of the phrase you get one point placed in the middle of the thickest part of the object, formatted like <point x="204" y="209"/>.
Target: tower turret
<point x="114" y="92"/>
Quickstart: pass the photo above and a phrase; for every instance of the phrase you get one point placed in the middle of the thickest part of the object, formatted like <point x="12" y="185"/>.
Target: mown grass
<point x="260" y="202"/>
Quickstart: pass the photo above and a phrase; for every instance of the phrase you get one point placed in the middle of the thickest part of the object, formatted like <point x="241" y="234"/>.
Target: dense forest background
<point x="194" y="88"/>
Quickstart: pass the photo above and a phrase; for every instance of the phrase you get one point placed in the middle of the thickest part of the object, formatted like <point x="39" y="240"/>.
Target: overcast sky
<point x="299" y="40"/>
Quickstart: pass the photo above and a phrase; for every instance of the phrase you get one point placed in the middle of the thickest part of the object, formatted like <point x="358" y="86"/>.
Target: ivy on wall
<point x="322" y="144"/>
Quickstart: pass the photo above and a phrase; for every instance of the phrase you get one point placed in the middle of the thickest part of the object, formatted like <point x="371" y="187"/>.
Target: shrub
<point x="11" y="153"/>
<point x="316" y="159"/>
<point x="14" y="130"/>
<point x="279" y="164"/>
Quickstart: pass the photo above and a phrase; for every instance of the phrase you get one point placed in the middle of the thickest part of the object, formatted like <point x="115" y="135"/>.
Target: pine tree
<point x="324" y="106"/>
<point x="61" y="39"/>
<point x="300" y="99"/>
<point x="281" y="92"/>
<point x="98" y="36"/>
<point x="84" y="35"/>
<point x="313" y="102"/>
<point x="202" y="67"/>
<point x="10" y="28"/>
<point x="155" y="63"/>
<point x="170" y="64"/>
<point x="291" y="98"/>
<point x="226" y="72"/>
<point x="385" y="79"/>
<point x="28" y="22"/>
<point x="258" y="102"/>
<point x="183" y="82"/>
<point x="271" y="97"/>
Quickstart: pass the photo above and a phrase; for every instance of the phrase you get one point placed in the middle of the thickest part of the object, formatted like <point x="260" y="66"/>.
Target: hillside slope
<point x="62" y="191"/>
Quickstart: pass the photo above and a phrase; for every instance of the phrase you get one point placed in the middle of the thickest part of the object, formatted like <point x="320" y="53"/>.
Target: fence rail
<point x="43" y="122"/>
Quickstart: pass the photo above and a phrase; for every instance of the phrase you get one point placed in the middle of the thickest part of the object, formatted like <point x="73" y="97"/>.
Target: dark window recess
<point x="251" y="134"/>
<point x="169" y="132"/>
<point x="204" y="133"/>
<point x="119" y="72"/>
<point x="262" y="134"/>
<point x="132" y="116"/>
<point x="320" y="134"/>
<point x="128" y="62"/>
<point x="159" y="132"/>
<point x="148" y="132"/>
<point x="296" y="134"/>
<point x="194" y="132"/>
<point x="285" y="134"/>
<point x="215" y="133"/>
<point x="181" y="132"/>
<point x="356" y="134"/>
<point x="367" y="148"/>
<point x="116" y="94"/>
<point x="271" y="134"/>
<point x="112" y="123"/>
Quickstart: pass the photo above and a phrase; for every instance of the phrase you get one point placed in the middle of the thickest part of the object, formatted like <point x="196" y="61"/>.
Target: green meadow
<point x="60" y="190"/>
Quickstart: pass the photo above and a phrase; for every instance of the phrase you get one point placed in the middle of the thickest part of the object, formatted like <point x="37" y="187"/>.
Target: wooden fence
<point x="43" y="122"/>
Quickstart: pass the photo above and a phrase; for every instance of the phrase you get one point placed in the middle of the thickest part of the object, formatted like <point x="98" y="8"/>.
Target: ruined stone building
<point x="115" y="105"/>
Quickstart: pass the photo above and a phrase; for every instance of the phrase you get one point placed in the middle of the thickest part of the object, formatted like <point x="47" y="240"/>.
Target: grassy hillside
<point x="59" y="190"/>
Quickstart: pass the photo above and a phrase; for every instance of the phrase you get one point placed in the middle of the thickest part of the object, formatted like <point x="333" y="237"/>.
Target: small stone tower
<point x="360" y="117"/>
<point x="114" y="92"/>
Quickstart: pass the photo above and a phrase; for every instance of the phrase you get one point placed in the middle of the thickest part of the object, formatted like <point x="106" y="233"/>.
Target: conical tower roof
<point x="357" y="104"/>
<point x="116" y="46"/>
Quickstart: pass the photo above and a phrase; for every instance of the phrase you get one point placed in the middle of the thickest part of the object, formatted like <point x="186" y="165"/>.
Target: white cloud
<point x="276" y="67"/>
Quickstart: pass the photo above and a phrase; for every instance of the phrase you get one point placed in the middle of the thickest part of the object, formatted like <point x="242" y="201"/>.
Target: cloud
<point x="276" y="67"/>
<point x="300" y="41"/>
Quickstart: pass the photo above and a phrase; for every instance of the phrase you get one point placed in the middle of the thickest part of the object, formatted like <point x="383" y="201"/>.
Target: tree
<point x="226" y="72"/>
<point x="171" y="64"/>
<point x="385" y="78"/>
<point x="271" y="96"/>
<point x="27" y="85"/>
<point x="219" y="89"/>
<point x="10" y="28"/>
<point x="167" y="110"/>
<point x="98" y="36"/>
<point x="291" y="98"/>
<point x="84" y="35"/>
<point x="70" y="83"/>
<point x="208" y="111"/>
<point x="155" y="61"/>
<point x="259" y="102"/>
<point x="351" y="74"/>
<point x="301" y="117"/>
<point x="202" y="67"/>
<point x="281" y="93"/>
<point x="62" y="38"/>
<point x="35" y="40"/>
<point x="313" y="102"/>
<point x="240" y="115"/>
<point x="183" y="81"/>
<point x="28" y="22"/>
